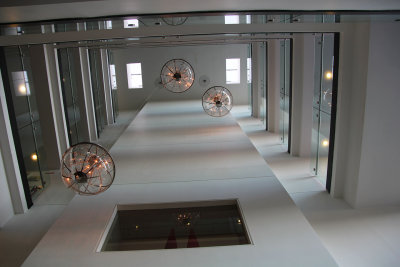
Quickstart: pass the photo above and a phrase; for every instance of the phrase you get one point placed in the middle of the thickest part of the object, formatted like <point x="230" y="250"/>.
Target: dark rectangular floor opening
<point x="175" y="225"/>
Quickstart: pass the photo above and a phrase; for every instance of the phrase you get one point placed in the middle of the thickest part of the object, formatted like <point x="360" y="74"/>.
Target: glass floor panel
<point x="198" y="225"/>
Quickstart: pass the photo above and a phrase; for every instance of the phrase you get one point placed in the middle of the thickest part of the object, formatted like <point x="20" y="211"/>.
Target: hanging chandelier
<point x="217" y="101"/>
<point x="87" y="168"/>
<point x="174" y="21"/>
<point x="177" y="75"/>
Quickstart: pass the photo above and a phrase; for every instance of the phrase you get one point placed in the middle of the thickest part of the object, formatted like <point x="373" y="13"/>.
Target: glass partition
<point x="70" y="96"/>
<point x="65" y="27"/>
<point x="285" y="87"/>
<point x="263" y="82"/>
<point x="322" y="104"/>
<point x="113" y="83"/>
<point x="249" y="76"/>
<point x="97" y="89"/>
<point x="24" y="116"/>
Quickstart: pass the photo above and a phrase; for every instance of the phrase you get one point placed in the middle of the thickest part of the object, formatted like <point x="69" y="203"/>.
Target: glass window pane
<point x="113" y="77"/>
<point x="232" y="19"/>
<point x="248" y="70"/>
<point x="232" y="70"/>
<point x="134" y="72"/>
<point x="248" y="19"/>
<point x="131" y="23"/>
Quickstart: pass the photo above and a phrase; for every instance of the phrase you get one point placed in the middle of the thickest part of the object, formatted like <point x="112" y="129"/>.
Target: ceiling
<point x="12" y="11"/>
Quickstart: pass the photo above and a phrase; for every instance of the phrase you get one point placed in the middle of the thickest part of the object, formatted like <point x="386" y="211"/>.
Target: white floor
<point x="174" y="152"/>
<point x="24" y="231"/>
<point x="368" y="237"/>
<point x="353" y="237"/>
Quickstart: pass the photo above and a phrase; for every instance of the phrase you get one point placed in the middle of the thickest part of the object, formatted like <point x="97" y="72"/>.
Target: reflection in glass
<point x="97" y="89"/>
<point x="70" y="96"/>
<point x="28" y="128"/>
<point x="65" y="27"/>
<point x="20" y="83"/>
<point x="114" y="86"/>
<point x="169" y="228"/>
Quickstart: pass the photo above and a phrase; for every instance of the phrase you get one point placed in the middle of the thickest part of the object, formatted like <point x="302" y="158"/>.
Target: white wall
<point x="206" y="60"/>
<point x="6" y="208"/>
<point x="379" y="182"/>
<point x="353" y="68"/>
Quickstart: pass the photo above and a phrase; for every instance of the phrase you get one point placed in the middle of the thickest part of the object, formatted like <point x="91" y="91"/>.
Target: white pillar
<point x="302" y="94"/>
<point x="106" y="86"/>
<point x="353" y="74"/>
<point x="85" y="94"/>
<point x="255" y="72"/>
<point x="9" y="155"/>
<point x="273" y="85"/>
<point x="53" y="75"/>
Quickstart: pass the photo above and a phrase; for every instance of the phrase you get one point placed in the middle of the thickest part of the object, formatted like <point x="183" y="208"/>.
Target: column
<point x="302" y="94"/>
<point x="273" y="85"/>
<point x="9" y="155"/>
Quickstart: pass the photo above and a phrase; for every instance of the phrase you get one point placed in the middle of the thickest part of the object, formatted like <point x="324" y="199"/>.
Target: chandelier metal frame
<point x="177" y="75"/>
<point x="87" y="168"/>
<point x="217" y="101"/>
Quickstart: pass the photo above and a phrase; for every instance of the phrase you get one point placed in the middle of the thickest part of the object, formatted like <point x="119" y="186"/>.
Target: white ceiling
<point x="34" y="10"/>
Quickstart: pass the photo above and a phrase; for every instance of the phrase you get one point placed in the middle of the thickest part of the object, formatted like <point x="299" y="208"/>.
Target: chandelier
<point x="217" y="101"/>
<point x="87" y="168"/>
<point x="177" y="75"/>
<point x="174" y="21"/>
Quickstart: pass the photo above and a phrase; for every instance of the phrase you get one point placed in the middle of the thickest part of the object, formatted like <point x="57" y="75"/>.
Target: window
<point x="113" y="77"/>
<point x="248" y="19"/>
<point x="231" y="19"/>
<point x="131" y="23"/>
<point x="248" y="70"/>
<point x="108" y="24"/>
<point x="134" y="75"/>
<point x="232" y="70"/>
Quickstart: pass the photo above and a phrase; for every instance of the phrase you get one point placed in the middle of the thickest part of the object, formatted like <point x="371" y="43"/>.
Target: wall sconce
<point x="328" y="75"/>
